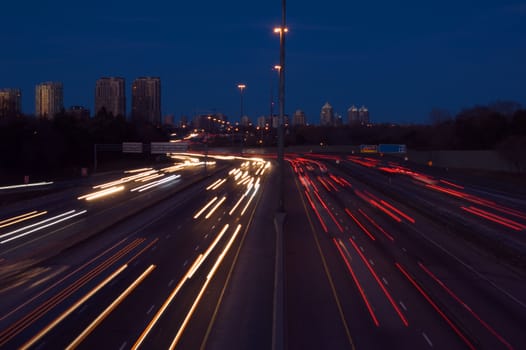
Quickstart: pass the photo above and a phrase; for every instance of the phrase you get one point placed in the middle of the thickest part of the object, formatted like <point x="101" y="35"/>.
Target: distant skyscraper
<point x="363" y="115"/>
<point x="10" y="102"/>
<point x="352" y="115"/>
<point x="327" y="115"/>
<point x="49" y="99"/>
<point x="110" y="94"/>
<point x="146" y="100"/>
<point x="299" y="118"/>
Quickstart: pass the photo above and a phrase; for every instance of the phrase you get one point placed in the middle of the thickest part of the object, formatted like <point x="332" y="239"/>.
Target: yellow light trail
<point x="256" y="187"/>
<point x="204" y="208"/>
<point x="219" y="184"/>
<point x="163" y="308"/>
<point x="203" y="289"/>
<point x="66" y="313"/>
<point x="36" y="224"/>
<point x="151" y="177"/>
<point x="101" y="193"/>
<point x="212" y="185"/>
<point x="137" y="170"/>
<point x="202" y="257"/>
<point x="42" y="227"/>
<point x="21" y="218"/>
<point x="109" y="309"/>
<point x="126" y="179"/>
<point x="215" y="207"/>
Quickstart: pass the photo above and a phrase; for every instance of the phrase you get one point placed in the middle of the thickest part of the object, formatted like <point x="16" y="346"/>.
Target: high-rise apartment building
<point x="352" y="115"/>
<point x="298" y="119"/>
<point x="10" y="102"/>
<point x="49" y="99"/>
<point x="363" y="115"/>
<point x="110" y="94"/>
<point x="358" y="115"/>
<point x="146" y="100"/>
<point x="327" y="115"/>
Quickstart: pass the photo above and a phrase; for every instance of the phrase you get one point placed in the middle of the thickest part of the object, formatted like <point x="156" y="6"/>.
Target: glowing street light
<point x="241" y="88"/>
<point x="278" y="30"/>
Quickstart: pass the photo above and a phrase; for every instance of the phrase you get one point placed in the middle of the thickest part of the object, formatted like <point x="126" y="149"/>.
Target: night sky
<point x="399" y="58"/>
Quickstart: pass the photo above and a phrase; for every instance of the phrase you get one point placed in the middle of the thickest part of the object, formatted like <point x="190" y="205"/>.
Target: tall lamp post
<point x="275" y="68"/>
<point x="281" y="30"/>
<point x="279" y="219"/>
<point x="241" y="88"/>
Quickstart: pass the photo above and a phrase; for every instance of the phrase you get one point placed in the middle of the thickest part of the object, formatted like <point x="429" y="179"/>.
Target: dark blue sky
<point x="399" y="58"/>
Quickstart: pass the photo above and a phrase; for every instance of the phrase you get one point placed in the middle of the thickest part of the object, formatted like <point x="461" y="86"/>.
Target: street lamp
<point x="241" y="87"/>
<point x="281" y="31"/>
<point x="275" y="68"/>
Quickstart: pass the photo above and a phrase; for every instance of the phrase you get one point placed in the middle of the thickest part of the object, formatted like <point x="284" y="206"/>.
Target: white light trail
<point x="43" y="227"/>
<point x="155" y="183"/>
<point x="26" y="185"/>
<point x="36" y="224"/>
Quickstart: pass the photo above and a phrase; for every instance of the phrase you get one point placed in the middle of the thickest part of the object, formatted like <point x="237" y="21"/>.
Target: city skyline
<point x="110" y="95"/>
<point x="401" y="60"/>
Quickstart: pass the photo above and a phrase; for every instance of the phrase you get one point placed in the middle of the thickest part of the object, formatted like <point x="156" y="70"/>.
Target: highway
<point x="378" y="253"/>
<point x="145" y="278"/>
<point x="403" y="259"/>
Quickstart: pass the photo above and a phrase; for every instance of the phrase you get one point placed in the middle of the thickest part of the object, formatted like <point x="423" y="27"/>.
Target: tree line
<point x="64" y="144"/>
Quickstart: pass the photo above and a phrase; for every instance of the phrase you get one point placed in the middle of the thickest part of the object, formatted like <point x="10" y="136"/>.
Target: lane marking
<point x="427" y="339"/>
<point x="327" y="272"/>
<point x="385" y="281"/>
<point x="403" y="305"/>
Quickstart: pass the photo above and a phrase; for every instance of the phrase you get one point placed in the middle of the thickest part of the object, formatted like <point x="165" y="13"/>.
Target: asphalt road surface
<point x="376" y="254"/>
